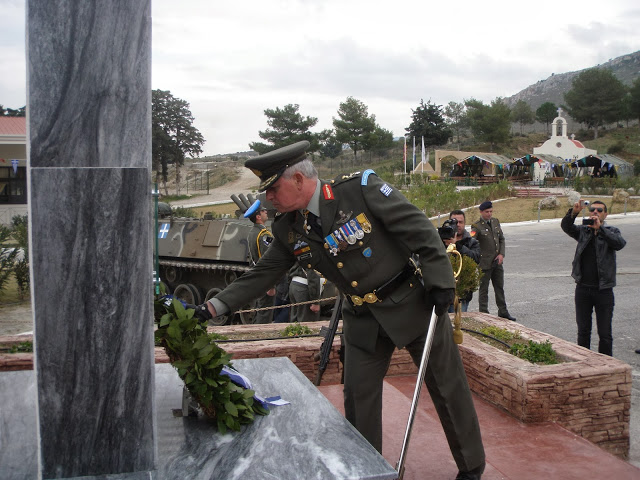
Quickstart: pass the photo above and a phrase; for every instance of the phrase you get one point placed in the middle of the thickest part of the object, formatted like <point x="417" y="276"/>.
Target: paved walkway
<point x="515" y="451"/>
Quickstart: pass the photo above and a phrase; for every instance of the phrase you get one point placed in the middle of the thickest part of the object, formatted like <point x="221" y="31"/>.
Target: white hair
<point x="305" y="167"/>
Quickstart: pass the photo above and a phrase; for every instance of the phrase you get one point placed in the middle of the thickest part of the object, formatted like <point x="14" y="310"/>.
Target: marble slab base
<point x="308" y="439"/>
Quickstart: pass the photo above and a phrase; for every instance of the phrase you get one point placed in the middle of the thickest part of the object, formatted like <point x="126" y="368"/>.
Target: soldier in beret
<point x="360" y="233"/>
<point x="492" y="249"/>
<point x="259" y="239"/>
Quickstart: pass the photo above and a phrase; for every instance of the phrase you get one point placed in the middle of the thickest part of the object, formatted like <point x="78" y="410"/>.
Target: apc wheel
<point x="221" y="319"/>
<point x="248" y="318"/>
<point x="172" y="275"/>
<point x="188" y="293"/>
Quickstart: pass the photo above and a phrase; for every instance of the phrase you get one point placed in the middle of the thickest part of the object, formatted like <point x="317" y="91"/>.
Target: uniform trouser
<point x="445" y="378"/>
<point x="496" y="275"/>
<point x="264" y="316"/>
<point x="299" y="292"/>
<point x="602" y="301"/>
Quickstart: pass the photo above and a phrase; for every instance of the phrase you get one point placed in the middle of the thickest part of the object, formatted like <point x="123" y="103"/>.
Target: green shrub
<point x="22" y="347"/>
<point x="8" y="254"/>
<point x="501" y="334"/>
<point x="295" y="329"/>
<point x="535" y="352"/>
<point x="20" y="226"/>
<point x="469" y="279"/>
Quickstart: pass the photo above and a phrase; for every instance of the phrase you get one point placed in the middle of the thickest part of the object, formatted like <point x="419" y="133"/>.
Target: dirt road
<point x="247" y="183"/>
<point x="16" y="318"/>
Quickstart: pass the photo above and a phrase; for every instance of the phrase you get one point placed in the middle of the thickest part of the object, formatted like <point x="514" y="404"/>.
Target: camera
<point x="586" y="203"/>
<point x="588" y="221"/>
<point x="449" y="229"/>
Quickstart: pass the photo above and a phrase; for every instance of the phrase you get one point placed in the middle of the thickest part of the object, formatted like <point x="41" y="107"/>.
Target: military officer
<point x="492" y="248"/>
<point x="259" y="239"/>
<point x="359" y="232"/>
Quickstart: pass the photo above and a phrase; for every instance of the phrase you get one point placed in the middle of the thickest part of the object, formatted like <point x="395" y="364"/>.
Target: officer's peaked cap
<point x="271" y="165"/>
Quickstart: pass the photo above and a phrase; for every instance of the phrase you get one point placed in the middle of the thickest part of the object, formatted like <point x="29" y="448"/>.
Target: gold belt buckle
<point x="368" y="298"/>
<point x="371" y="297"/>
<point x="357" y="301"/>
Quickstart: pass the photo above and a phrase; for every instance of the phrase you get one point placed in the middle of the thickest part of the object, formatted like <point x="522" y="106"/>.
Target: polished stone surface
<point x="308" y="439"/>
<point x="89" y="111"/>
<point x="92" y="293"/>
<point x="89" y="96"/>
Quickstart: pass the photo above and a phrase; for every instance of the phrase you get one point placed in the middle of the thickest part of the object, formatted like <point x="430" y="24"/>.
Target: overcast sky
<point x="232" y="60"/>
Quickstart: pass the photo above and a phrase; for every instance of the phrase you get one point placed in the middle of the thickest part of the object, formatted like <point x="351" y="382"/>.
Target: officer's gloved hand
<point x="442" y="298"/>
<point x="202" y="313"/>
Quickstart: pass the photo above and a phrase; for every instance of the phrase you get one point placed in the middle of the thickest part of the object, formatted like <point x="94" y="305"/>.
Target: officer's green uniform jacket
<point x="398" y="229"/>
<point x="491" y="241"/>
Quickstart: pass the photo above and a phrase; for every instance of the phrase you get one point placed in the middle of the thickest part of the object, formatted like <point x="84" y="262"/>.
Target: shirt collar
<point x="314" y="203"/>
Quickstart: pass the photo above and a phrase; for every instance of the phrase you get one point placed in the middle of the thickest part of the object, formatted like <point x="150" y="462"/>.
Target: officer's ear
<point x="298" y="180"/>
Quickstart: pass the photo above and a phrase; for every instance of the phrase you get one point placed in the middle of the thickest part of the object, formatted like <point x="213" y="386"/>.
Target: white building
<point x="562" y="146"/>
<point x="13" y="168"/>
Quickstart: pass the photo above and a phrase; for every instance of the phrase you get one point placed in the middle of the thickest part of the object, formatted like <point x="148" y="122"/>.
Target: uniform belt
<point x="387" y="288"/>
<point x="302" y="280"/>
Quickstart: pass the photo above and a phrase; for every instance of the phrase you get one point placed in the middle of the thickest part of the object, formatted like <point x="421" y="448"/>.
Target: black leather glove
<point x="441" y="298"/>
<point x="202" y="313"/>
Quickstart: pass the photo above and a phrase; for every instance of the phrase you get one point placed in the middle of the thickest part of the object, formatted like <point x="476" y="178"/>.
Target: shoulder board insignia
<point x="365" y="176"/>
<point x="350" y="175"/>
<point x="327" y="191"/>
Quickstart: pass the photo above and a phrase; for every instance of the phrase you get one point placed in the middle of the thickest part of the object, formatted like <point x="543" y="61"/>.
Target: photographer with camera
<point x="594" y="270"/>
<point x="453" y="231"/>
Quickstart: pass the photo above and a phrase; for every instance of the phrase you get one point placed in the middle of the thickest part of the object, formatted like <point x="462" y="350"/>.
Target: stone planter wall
<point x="589" y="394"/>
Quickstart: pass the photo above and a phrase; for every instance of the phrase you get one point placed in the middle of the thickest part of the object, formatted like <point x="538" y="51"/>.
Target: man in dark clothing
<point x="466" y="245"/>
<point x="492" y="247"/>
<point x="360" y="233"/>
<point x="594" y="270"/>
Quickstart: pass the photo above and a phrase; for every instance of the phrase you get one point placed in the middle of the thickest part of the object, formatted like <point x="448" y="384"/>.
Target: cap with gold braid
<point x="271" y="165"/>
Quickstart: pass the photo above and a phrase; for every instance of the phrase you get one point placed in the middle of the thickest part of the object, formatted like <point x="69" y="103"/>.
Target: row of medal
<point x="348" y="234"/>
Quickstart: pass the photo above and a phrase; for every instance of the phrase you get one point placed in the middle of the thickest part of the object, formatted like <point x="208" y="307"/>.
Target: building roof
<point x="488" y="158"/>
<point x="13" y="125"/>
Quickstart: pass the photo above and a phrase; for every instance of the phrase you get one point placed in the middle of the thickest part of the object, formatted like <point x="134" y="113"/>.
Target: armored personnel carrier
<point x="200" y="257"/>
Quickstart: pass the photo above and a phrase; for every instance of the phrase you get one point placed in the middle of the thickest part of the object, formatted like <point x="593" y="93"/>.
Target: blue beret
<point x="485" y="205"/>
<point x="252" y="209"/>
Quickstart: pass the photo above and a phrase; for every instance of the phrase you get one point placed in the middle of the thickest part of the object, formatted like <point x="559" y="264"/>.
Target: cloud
<point x="231" y="61"/>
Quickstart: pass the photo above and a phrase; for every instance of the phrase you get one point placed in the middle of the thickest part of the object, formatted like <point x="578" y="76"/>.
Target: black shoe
<point x="474" y="474"/>
<point x="468" y="476"/>
<point x="508" y="317"/>
<point x="484" y="311"/>
<point x="638" y="350"/>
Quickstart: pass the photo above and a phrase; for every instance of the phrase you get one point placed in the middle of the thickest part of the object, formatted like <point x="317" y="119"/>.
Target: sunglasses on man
<point x="599" y="209"/>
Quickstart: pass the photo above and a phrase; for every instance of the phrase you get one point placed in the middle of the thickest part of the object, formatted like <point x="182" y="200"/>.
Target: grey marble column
<point x="89" y="113"/>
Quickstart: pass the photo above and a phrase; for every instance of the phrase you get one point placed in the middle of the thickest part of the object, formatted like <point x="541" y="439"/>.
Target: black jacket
<point x="469" y="246"/>
<point x="608" y="241"/>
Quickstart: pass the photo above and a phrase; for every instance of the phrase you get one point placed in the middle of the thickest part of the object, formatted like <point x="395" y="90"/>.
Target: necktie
<point x="312" y="222"/>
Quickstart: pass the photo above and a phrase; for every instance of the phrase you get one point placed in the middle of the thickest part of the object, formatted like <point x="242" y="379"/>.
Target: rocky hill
<point x="626" y="68"/>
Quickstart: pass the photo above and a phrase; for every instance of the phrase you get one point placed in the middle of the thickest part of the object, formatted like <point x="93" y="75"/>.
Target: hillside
<point x="626" y="68"/>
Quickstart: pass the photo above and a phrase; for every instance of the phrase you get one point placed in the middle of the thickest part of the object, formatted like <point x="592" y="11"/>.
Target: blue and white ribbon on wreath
<point x="242" y="381"/>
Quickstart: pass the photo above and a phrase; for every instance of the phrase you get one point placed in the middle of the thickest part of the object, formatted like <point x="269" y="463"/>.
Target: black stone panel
<point x="89" y="87"/>
<point x="92" y="284"/>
